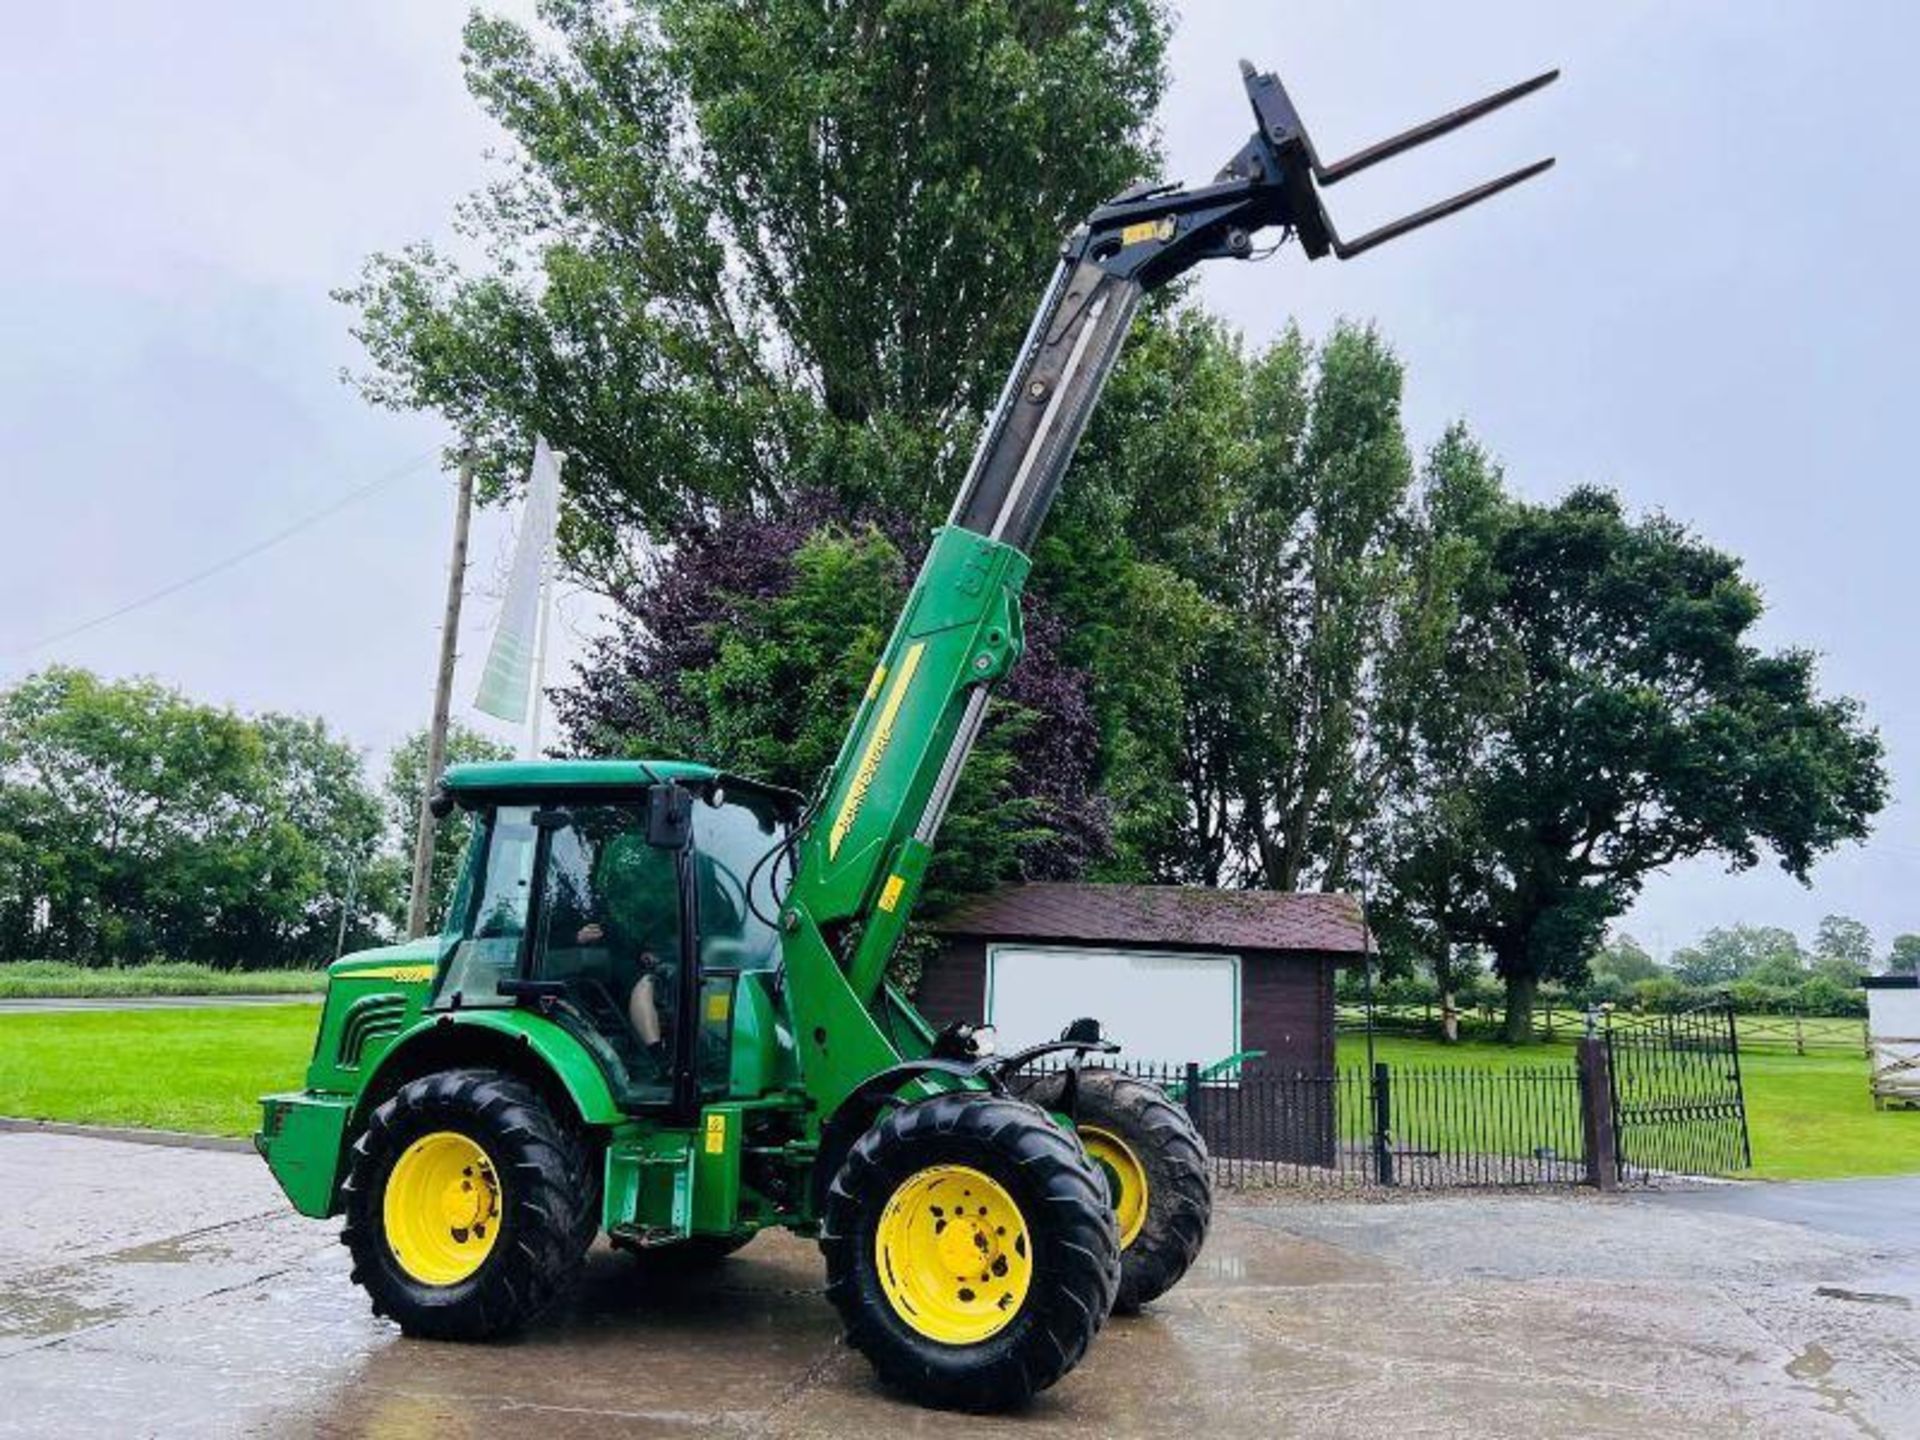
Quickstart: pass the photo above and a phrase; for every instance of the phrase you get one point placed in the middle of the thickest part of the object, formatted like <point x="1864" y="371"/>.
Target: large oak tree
<point x="748" y="251"/>
<point x="1625" y="720"/>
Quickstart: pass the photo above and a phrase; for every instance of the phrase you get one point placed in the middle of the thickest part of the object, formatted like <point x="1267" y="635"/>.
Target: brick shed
<point x="1175" y="974"/>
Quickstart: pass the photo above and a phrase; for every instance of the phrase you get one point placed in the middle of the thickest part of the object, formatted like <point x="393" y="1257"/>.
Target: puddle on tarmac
<point x="35" y="1308"/>
<point x="1812" y="1363"/>
<point x="175" y="1250"/>
<point x="61" y="1299"/>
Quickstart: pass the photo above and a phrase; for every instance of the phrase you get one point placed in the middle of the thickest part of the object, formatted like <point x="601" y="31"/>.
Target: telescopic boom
<point x="865" y="850"/>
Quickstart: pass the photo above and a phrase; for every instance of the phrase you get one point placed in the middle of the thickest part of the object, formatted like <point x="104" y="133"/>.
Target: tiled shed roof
<point x="1164" y="915"/>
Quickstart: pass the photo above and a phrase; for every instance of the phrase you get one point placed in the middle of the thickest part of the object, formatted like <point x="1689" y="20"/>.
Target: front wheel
<point x="469" y="1205"/>
<point x="970" y="1250"/>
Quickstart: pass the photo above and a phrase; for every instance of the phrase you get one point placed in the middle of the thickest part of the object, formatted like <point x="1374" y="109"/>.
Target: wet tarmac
<point x="165" y="1291"/>
<point x="1886" y="1209"/>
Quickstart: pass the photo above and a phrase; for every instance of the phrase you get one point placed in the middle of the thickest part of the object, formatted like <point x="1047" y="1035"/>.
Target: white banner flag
<point x="507" y="683"/>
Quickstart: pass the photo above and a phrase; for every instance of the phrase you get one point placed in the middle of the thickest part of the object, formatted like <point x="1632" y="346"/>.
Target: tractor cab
<point x="632" y="904"/>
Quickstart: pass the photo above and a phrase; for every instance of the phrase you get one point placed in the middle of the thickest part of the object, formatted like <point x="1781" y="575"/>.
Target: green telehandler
<point x="658" y="1006"/>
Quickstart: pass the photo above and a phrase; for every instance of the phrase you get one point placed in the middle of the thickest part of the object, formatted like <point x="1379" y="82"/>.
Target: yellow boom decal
<point x="876" y="748"/>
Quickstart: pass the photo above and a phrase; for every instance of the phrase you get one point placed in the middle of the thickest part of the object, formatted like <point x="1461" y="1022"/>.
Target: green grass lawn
<point x="1810" y="1117"/>
<point x="57" y="980"/>
<point x="198" y="1070"/>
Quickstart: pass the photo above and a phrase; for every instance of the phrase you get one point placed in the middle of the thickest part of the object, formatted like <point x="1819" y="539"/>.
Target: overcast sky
<point x="1709" y="306"/>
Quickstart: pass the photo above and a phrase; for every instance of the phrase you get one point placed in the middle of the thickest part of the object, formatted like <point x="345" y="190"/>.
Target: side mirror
<point x="440" y="803"/>
<point x="669" y="816"/>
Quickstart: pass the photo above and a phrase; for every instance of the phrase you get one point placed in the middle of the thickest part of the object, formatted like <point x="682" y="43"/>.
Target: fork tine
<point x="1394" y="229"/>
<point x="1406" y="140"/>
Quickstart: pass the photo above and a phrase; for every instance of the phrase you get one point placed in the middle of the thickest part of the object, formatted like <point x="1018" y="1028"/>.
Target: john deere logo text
<point x="876" y="747"/>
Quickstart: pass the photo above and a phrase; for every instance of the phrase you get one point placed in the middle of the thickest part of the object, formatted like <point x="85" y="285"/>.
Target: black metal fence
<point x="1399" y="1125"/>
<point x="1638" y="1103"/>
<point x="1678" y="1103"/>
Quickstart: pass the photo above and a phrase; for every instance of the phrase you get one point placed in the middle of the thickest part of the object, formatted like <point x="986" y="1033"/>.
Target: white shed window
<point x="1161" y="1007"/>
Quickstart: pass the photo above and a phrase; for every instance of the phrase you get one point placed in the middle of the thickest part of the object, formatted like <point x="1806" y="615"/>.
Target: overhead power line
<point x="286" y="532"/>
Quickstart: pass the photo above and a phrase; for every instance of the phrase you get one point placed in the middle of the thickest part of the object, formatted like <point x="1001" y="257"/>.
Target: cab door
<point x="612" y="934"/>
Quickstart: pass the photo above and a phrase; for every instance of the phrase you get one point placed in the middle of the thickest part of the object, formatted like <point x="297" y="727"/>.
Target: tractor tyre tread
<point x="1076" y="1249"/>
<point x="549" y="1205"/>
<point x="1179" y="1177"/>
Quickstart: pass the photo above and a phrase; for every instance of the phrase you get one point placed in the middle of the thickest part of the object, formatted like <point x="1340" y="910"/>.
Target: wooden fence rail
<point x="1800" y="1034"/>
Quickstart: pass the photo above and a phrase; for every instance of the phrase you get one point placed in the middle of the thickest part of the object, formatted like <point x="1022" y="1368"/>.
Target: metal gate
<point x="1678" y="1104"/>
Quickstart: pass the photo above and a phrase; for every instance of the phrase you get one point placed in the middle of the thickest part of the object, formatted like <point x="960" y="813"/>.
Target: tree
<point x="749" y="646"/>
<point x="1243" y="535"/>
<point x="1741" y="952"/>
<point x="1904" y="957"/>
<point x="1843" y="948"/>
<point x="1647" y="728"/>
<point x="401" y="794"/>
<point x="318" y="784"/>
<point x="753" y="250"/>
<point x="1310" y="565"/>
<point x="136" y="824"/>
<point x="1624" y="959"/>
<point x="1436" y="719"/>
<point x="1117" y="564"/>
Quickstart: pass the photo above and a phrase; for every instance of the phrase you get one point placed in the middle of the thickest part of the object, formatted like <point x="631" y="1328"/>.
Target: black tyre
<point x="940" y="1187"/>
<point x="469" y="1205"/>
<point x="1155" y="1166"/>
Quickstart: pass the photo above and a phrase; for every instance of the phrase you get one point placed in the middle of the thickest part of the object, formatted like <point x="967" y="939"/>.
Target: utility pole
<point x="442" y="704"/>
<point x="539" y="697"/>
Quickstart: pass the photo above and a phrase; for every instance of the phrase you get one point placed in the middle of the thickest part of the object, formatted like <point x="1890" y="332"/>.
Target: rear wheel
<point x="970" y="1250"/>
<point x="1155" y="1167"/>
<point x="469" y="1205"/>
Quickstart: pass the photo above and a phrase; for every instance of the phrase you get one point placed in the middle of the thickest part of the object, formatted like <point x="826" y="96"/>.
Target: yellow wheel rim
<point x="1126" y="1180"/>
<point x="442" y="1208"/>
<point x="954" y="1256"/>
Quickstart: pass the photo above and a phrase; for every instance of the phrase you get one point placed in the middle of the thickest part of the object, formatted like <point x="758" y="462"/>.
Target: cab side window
<point x="487" y="924"/>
